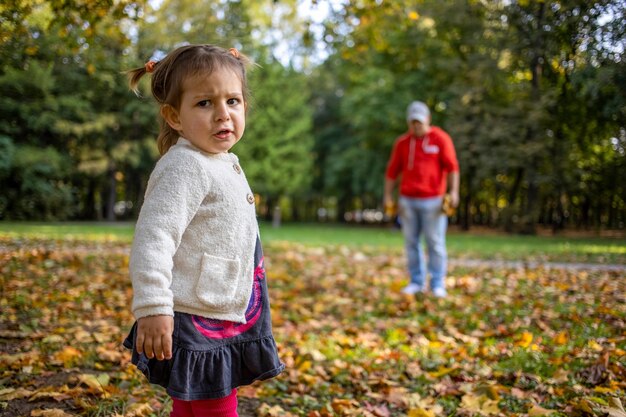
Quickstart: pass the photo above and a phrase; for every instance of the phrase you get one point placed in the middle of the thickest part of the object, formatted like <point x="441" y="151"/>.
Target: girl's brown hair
<point x="169" y="74"/>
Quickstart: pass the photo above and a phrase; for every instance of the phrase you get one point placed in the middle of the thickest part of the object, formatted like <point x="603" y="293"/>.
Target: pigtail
<point x="135" y="75"/>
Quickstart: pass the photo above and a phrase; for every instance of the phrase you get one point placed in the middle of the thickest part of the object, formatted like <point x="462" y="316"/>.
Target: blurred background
<point x="532" y="92"/>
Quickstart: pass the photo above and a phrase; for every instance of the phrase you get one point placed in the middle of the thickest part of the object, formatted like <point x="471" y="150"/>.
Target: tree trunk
<point x="90" y="211"/>
<point x="529" y="217"/>
<point x="111" y="196"/>
<point x="464" y="209"/>
<point x="269" y="203"/>
<point x="513" y="193"/>
<point x="295" y="209"/>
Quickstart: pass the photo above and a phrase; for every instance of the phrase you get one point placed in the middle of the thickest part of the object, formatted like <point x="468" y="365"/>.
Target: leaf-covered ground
<point x="505" y="342"/>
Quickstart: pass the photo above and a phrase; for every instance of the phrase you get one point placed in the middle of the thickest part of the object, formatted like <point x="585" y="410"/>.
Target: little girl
<point x="200" y="296"/>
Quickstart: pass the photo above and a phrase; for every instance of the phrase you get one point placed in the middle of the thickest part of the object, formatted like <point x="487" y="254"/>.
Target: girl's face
<point x="212" y="111"/>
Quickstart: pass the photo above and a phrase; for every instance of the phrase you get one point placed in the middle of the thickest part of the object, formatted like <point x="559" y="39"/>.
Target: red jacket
<point x="424" y="163"/>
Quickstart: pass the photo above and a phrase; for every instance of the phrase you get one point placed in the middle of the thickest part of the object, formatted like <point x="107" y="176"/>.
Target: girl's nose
<point x="221" y="112"/>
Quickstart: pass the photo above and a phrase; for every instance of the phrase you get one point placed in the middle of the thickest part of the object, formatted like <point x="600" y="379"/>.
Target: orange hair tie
<point x="234" y="52"/>
<point x="150" y="66"/>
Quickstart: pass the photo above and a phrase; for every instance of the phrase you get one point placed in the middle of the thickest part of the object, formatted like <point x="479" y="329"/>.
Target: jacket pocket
<point x="217" y="282"/>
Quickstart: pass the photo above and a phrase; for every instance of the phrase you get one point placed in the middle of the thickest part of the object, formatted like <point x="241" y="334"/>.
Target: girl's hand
<point x="154" y="336"/>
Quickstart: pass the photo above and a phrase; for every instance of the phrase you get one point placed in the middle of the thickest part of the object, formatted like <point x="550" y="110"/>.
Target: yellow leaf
<point x="615" y="408"/>
<point x="82" y="336"/>
<point x="247" y="391"/>
<point x="53" y="338"/>
<point x="341" y="405"/>
<point x="470" y="402"/>
<point x="479" y="404"/>
<point x="54" y="412"/>
<point x="441" y="372"/>
<point x="490" y="407"/>
<point x="561" y="376"/>
<point x="595" y="345"/>
<point x="9" y="394"/>
<point x="413" y="15"/>
<point x="138" y="410"/>
<point x="561" y="338"/>
<point x="109" y="355"/>
<point x="420" y="412"/>
<point x="57" y="396"/>
<point x="525" y="340"/>
<point x="266" y="411"/>
<point x="435" y="344"/>
<point x="605" y="390"/>
<point x="98" y="383"/>
<point x="305" y="366"/>
<point x="538" y="411"/>
<point x="68" y="356"/>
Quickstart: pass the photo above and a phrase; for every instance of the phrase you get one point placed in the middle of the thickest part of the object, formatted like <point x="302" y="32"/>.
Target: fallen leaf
<point x="420" y="412"/>
<point x="561" y="338"/>
<point x="615" y="408"/>
<point x="95" y="382"/>
<point x="595" y="346"/>
<point x="340" y="405"/>
<point x="57" y="396"/>
<point x="266" y="411"/>
<point x="479" y="404"/>
<point x="525" y="339"/>
<point x="68" y="356"/>
<point x="138" y="410"/>
<point x="538" y="411"/>
<point x="55" y="412"/>
<point x="109" y="355"/>
<point x="9" y="394"/>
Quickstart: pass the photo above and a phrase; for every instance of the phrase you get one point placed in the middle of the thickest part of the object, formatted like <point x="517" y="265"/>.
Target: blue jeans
<point x="423" y="216"/>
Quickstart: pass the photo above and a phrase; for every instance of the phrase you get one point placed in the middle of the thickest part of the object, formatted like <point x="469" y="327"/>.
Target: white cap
<point x="418" y="111"/>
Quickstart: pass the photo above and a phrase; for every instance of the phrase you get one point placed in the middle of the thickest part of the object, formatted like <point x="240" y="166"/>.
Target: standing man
<point x="425" y="159"/>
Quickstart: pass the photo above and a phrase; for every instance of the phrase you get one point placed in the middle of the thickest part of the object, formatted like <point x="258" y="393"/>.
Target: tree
<point x="59" y="80"/>
<point x="556" y="42"/>
<point x="276" y="148"/>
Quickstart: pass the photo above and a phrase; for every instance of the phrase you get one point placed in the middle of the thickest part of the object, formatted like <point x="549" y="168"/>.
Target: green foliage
<point x="7" y="153"/>
<point x="532" y="93"/>
<point x="276" y="148"/>
<point x="30" y="120"/>
<point x="36" y="187"/>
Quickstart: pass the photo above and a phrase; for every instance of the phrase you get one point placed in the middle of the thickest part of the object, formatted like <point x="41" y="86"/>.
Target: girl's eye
<point x="233" y="101"/>
<point x="203" y="103"/>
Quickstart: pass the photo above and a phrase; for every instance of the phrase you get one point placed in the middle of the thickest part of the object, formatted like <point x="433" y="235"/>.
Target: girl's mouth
<point x="223" y="134"/>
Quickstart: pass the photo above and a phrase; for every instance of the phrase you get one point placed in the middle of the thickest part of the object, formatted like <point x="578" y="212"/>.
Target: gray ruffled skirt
<point x="211" y="357"/>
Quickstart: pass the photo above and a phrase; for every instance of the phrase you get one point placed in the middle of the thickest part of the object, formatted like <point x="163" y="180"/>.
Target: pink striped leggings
<point x="220" y="407"/>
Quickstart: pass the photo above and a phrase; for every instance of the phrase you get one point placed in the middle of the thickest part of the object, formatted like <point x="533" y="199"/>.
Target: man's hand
<point x="390" y="207"/>
<point x="454" y="179"/>
<point x="454" y="199"/>
<point x="154" y="336"/>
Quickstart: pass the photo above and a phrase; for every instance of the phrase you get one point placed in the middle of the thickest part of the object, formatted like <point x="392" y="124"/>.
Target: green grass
<point x="122" y="231"/>
<point x="460" y="245"/>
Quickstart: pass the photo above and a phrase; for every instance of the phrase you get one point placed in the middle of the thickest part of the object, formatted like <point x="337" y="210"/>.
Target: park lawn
<point x="505" y="342"/>
<point x="464" y="245"/>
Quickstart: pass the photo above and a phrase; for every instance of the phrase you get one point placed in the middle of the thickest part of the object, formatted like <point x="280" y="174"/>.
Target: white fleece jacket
<point x="193" y="249"/>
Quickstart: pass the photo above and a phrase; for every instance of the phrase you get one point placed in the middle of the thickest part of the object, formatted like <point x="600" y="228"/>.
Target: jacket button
<point x="250" y="198"/>
<point x="237" y="169"/>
